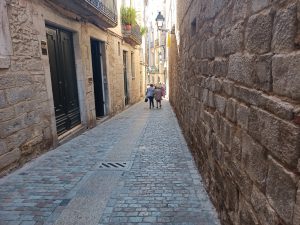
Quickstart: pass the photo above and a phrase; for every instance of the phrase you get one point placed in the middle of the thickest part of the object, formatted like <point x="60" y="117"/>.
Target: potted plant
<point x="128" y="17"/>
<point x="143" y="30"/>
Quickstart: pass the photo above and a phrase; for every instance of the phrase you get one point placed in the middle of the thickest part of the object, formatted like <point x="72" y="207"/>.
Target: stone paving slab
<point x="160" y="184"/>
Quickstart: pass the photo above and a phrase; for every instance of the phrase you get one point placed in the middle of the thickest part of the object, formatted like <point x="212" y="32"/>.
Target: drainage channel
<point x="114" y="165"/>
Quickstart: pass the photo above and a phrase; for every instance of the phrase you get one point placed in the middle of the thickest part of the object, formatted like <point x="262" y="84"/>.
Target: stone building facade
<point x="235" y="87"/>
<point x="39" y="38"/>
<point x="156" y="47"/>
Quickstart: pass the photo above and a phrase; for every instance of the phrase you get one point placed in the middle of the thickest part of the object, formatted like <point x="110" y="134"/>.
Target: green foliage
<point x="128" y="15"/>
<point x="143" y="30"/>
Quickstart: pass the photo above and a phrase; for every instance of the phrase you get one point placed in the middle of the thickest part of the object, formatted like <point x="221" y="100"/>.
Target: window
<point x="119" y="48"/>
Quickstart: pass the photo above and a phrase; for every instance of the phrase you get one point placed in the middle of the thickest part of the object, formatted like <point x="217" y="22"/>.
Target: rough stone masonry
<point x="236" y="91"/>
<point x="27" y="113"/>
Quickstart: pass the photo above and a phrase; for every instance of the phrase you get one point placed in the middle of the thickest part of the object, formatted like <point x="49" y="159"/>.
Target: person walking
<point x="158" y="96"/>
<point x="163" y="90"/>
<point x="150" y="95"/>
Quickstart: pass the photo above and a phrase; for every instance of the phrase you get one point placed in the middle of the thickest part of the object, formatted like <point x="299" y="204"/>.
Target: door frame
<point x="75" y="29"/>
<point x="65" y="115"/>
<point x="125" y="77"/>
<point x="102" y="62"/>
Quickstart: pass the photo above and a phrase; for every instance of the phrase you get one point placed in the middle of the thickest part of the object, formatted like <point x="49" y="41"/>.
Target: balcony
<point x="132" y="36"/>
<point x="102" y="13"/>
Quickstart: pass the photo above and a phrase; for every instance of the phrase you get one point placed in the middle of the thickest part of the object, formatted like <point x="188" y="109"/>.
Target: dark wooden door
<point x="63" y="77"/>
<point x="125" y="78"/>
<point x="97" y="76"/>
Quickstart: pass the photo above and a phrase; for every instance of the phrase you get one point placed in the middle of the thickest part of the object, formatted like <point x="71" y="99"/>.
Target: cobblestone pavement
<point x="132" y="169"/>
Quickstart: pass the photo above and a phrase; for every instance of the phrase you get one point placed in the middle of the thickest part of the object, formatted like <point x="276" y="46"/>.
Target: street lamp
<point x="160" y="19"/>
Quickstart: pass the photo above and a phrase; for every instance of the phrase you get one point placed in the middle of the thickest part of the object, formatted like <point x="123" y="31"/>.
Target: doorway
<point x="63" y="78"/>
<point x="126" y="94"/>
<point x="97" y="63"/>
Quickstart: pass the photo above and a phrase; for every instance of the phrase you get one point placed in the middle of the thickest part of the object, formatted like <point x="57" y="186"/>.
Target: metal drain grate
<point x="113" y="165"/>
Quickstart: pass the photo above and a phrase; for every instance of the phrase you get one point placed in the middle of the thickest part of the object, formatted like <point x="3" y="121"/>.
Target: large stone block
<point x="214" y="84"/>
<point x="254" y="160"/>
<point x="220" y="103"/>
<point x="211" y="48"/>
<point x="241" y="68"/>
<point x="4" y="62"/>
<point x="218" y="47"/>
<point x="227" y="130"/>
<point x="254" y="124"/>
<point x="181" y="9"/>
<point x="24" y="79"/>
<point x="297" y="39"/>
<point x="211" y="100"/>
<point x="218" y="149"/>
<point x="265" y="213"/>
<point x="236" y="148"/>
<point x="203" y="67"/>
<point x="259" y="33"/>
<point x="242" y="115"/>
<point x="227" y="87"/>
<point x="11" y="126"/>
<point x="231" y="198"/>
<point x="3" y="147"/>
<point x="15" y="95"/>
<point x="3" y="102"/>
<point x="15" y="140"/>
<point x="296" y="215"/>
<point x="285" y="29"/>
<point x="232" y="39"/>
<point x="35" y="145"/>
<point x="263" y="69"/>
<point x="279" y="107"/>
<point x="281" y="190"/>
<point x="281" y="138"/>
<point x="231" y="108"/>
<point x="9" y="158"/>
<point x="216" y="123"/>
<point x="220" y="67"/>
<point x="222" y="20"/>
<point x="32" y="118"/>
<point x="237" y="174"/>
<point x="249" y="96"/>
<point x="241" y="9"/>
<point x="257" y="5"/>
<point x="297" y="116"/>
<point x="247" y="214"/>
<point x="208" y="119"/>
<point x="212" y="8"/>
<point x="205" y="96"/>
<point x="286" y="75"/>
<point x="22" y="107"/>
<point x="7" y="114"/>
<point x="7" y="80"/>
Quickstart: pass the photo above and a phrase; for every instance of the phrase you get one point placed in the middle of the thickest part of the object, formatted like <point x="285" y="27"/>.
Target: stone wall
<point x="27" y="118"/>
<point x="24" y="106"/>
<point x="235" y="87"/>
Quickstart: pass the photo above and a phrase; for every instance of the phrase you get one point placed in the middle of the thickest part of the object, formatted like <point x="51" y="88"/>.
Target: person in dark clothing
<point x="158" y="96"/>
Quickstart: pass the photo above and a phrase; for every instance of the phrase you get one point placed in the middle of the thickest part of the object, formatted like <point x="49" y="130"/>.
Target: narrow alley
<point x="134" y="168"/>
